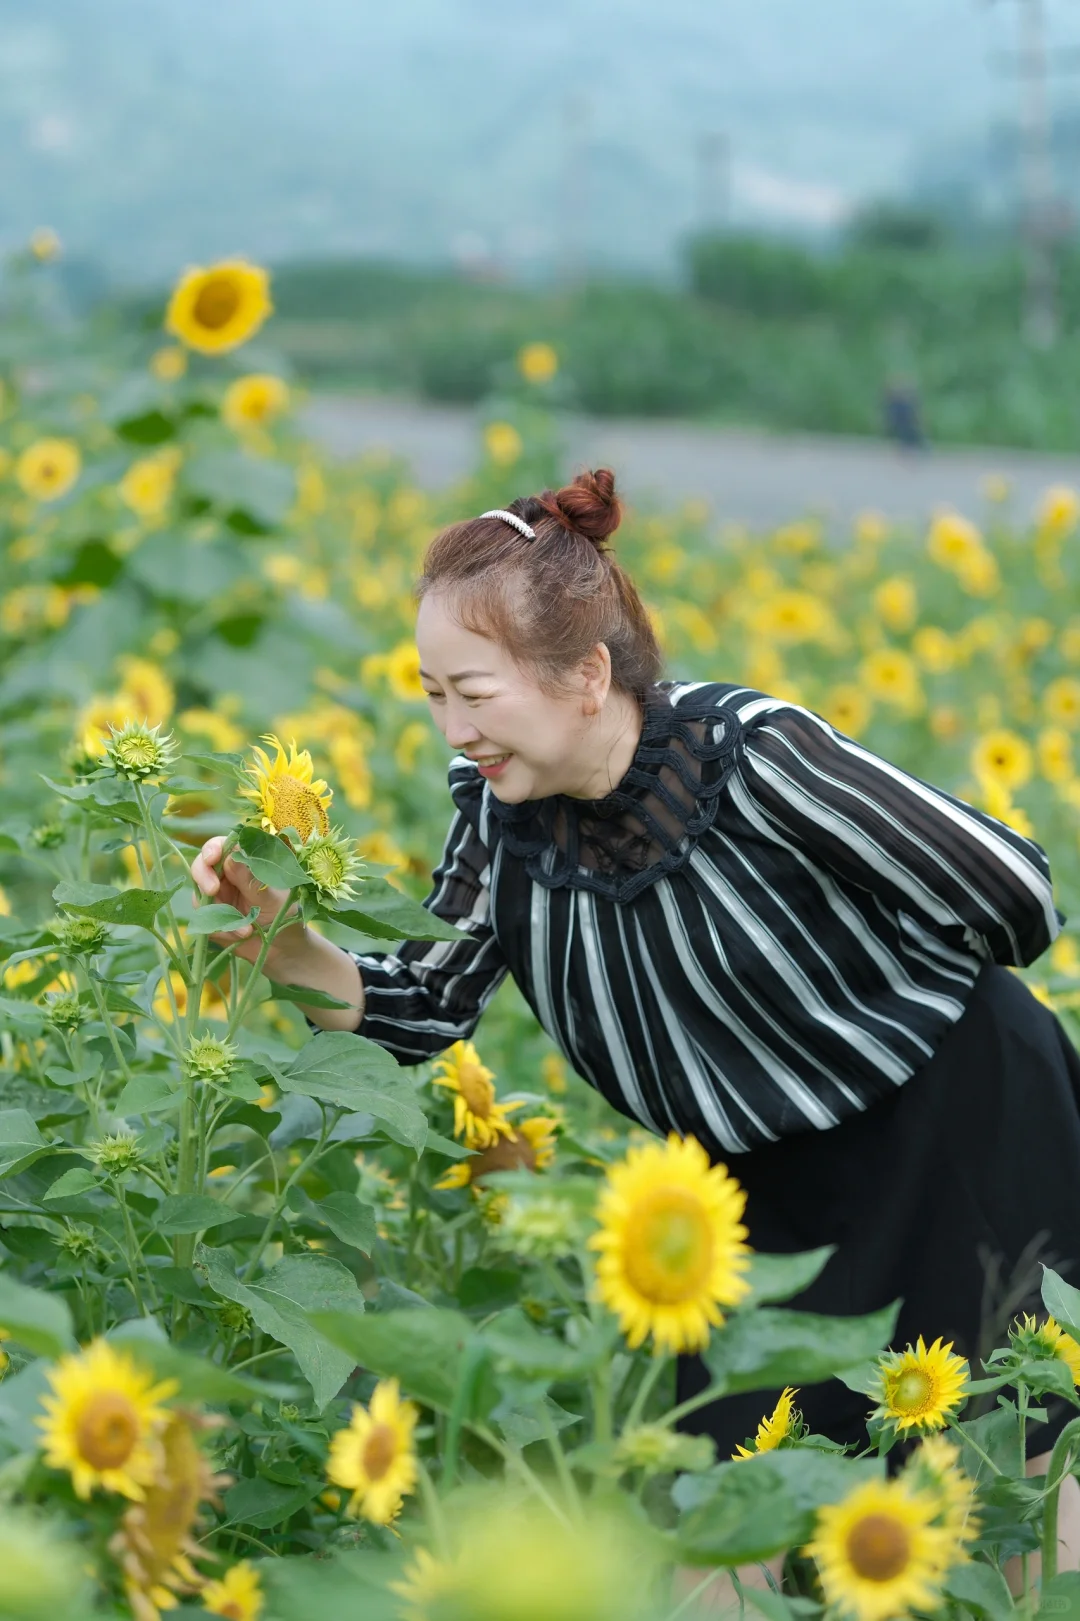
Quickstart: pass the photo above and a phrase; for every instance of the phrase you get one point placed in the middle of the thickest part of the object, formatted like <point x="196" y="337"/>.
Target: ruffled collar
<point x="647" y="826"/>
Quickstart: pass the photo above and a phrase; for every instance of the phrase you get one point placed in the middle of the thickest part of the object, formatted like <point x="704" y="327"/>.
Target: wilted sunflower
<point x="782" y="1422"/>
<point x="478" y="1120"/>
<point x="48" y="468"/>
<point x="671" y="1244"/>
<point x="104" y="1421"/>
<point x="238" y="1594"/>
<point x="286" y="792"/>
<point x="934" y="1468"/>
<point x="217" y="308"/>
<point x="878" y="1552"/>
<point x="253" y="401"/>
<point x="373" y="1456"/>
<point x="918" y="1388"/>
<point x="155" y="1543"/>
<point x="331" y="860"/>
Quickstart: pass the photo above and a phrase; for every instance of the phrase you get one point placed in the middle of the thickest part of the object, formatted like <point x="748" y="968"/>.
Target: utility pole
<point x="713" y="181"/>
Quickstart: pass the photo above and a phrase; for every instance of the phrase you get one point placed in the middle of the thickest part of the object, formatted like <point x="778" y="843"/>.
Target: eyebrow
<point x="462" y="675"/>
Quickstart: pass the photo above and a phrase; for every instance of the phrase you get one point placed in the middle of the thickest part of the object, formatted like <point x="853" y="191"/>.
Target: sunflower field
<point x="287" y="1326"/>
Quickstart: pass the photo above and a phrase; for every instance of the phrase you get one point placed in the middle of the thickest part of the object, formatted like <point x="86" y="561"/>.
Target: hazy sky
<point x="154" y="131"/>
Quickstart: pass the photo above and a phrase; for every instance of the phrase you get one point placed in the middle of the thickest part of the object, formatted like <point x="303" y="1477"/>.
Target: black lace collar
<point x="648" y="824"/>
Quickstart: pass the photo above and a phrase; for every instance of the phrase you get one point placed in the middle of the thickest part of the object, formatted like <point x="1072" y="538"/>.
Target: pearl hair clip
<point x="511" y="518"/>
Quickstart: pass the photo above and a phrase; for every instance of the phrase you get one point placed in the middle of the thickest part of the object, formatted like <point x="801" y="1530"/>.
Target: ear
<point x="595" y="670"/>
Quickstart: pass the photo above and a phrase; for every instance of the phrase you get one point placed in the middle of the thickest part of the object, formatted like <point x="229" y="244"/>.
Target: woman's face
<point x="487" y="707"/>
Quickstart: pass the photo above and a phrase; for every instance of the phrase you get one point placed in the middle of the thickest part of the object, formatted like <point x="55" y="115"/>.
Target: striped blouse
<point x="763" y="928"/>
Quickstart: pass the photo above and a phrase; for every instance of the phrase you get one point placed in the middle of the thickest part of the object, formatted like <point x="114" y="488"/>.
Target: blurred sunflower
<point x="503" y="443"/>
<point x="285" y="792"/>
<point x="218" y="308"/>
<point x="934" y="649"/>
<point x="1059" y="509"/>
<point x="48" y="468"/>
<point x="1053" y="745"/>
<point x="848" y="708"/>
<point x="238" y="1594"/>
<point x="889" y="674"/>
<point x="791" y="616"/>
<point x="671" y="1244"/>
<point x="934" y="1468"/>
<point x="402" y="668"/>
<point x="953" y="540"/>
<point x="169" y="363"/>
<point x="1061" y="701"/>
<point x="147" y="485"/>
<point x="537" y="362"/>
<point x="879" y="1553"/>
<point x="1002" y="756"/>
<point x="255" y="400"/>
<point x="155" y="1543"/>
<point x="373" y="1457"/>
<point x="1047" y="1339"/>
<point x="103" y="1421"/>
<point x="897" y="602"/>
<point x="530" y="1148"/>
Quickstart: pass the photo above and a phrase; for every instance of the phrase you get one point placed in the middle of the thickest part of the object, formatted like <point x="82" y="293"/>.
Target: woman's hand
<point x="236" y="885"/>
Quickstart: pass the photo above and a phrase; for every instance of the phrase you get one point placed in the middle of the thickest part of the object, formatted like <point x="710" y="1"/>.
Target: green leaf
<point x="344" y="1586"/>
<point x="284" y="1302"/>
<point x="356" y="1074"/>
<point x="212" y="919"/>
<point x="26" y="1015"/>
<point x="270" y="859"/>
<point x="387" y="914"/>
<point x="69" y="1186"/>
<point x="145" y="1092"/>
<point x="200" y="1380"/>
<point x="773" y="1347"/>
<point x="445" y="1147"/>
<point x="40" y="1321"/>
<point x="222" y="762"/>
<point x="778" y="1277"/>
<point x="138" y="907"/>
<point x="256" y="485"/>
<point x="263" y="1504"/>
<point x="342" y="1213"/>
<point x="186" y="571"/>
<point x="1059" y="1595"/>
<point x="1062" y="1301"/>
<point x="305" y="994"/>
<point x="516" y="1346"/>
<point x="112" y="794"/>
<point x="750" y="1509"/>
<point x="424" y="1347"/>
<point x="21" y="1143"/>
<point x="191" y="1213"/>
<point x="982" y="1590"/>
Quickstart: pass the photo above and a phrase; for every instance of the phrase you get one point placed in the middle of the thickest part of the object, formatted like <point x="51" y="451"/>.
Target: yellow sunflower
<point x="952" y="540"/>
<point x="104" y="1421"/>
<point x="918" y="1389"/>
<point x="217" y="308"/>
<point x="48" y="468"/>
<point x="896" y="601"/>
<point x="238" y="1594"/>
<point x="791" y="616"/>
<point x="503" y="443"/>
<point x="478" y="1120"/>
<point x="1061" y="701"/>
<point x="878" y="1552"/>
<point x="252" y="402"/>
<point x="168" y="363"/>
<point x="934" y="649"/>
<point x="1050" y="1339"/>
<point x="537" y="362"/>
<point x="373" y="1456"/>
<point x="147" y="485"/>
<point x="402" y="669"/>
<point x="286" y="792"/>
<point x="889" y="673"/>
<point x="848" y="708"/>
<point x="934" y="1468"/>
<point x="1002" y="756"/>
<point x="530" y="1148"/>
<point x="1053" y="746"/>
<point x="155" y="1542"/>
<point x="671" y="1244"/>
<point x="776" y="1428"/>
<point x="425" y="1582"/>
<point x="1058" y="510"/>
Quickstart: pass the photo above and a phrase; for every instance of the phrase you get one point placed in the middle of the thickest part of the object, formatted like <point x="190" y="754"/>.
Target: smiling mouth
<point x="490" y="759"/>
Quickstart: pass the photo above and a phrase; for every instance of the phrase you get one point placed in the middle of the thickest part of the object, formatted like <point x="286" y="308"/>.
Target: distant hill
<point x="150" y="134"/>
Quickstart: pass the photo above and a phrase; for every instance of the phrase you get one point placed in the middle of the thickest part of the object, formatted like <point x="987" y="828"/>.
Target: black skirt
<point x="948" y="1194"/>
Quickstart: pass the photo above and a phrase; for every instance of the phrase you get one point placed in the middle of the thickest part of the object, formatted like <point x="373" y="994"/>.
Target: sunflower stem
<point x="645" y="1390"/>
<point x="103" y="1014"/>
<point x="279" y="1203"/>
<point x="475" y="1357"/>
<point x="974" y="1445"/>
<point x="257" y="967"/>
<point x="158" y="863"/>
<point x="433" y="1511"/>
<point x="1061" y="1464"/>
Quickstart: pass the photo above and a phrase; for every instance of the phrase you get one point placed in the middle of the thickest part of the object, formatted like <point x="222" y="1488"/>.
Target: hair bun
<point x="590" y="506"/>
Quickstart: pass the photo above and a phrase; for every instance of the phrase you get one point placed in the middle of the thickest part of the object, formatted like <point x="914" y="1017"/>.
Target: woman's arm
<point x="970" y="879"/>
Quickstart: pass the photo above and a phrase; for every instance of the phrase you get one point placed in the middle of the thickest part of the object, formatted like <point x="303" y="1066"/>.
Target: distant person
<point x="903" y="416"/>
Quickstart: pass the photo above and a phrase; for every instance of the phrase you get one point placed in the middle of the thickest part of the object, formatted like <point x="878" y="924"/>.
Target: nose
<point x="460" y="730"/>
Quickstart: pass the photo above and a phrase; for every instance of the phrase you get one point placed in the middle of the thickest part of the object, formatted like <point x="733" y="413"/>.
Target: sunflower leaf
<point x="21" y="1143"/>
<point x="773" y="1347"/>
<point x="40" y="1321"/>
<point x="270" y="859"/>
<point x="778" y="1277"/>
<point x="1062" y="1301"/>
<point x="386" y="914"/>
<point x="341" y="1068"/>
<point x="218" y="916"/>
<point x="425" y="1348"/>
<point x="138" y="907"/>
<point x="747" y="1510"/>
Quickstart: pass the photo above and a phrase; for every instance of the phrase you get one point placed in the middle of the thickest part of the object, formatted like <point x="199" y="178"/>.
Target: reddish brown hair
<point x="548" y="601"/>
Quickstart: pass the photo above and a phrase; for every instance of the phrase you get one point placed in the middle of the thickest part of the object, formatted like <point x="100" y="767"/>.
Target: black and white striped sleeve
<point x="970" y="879"/>
<point x="425" y="995"/>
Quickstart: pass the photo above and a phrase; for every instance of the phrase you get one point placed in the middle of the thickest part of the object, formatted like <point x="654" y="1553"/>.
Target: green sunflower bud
<point x="331" y="861"/>
<point x="49" y="835"/>
<point x="211" y="1059"/>
<point x="658" y="1450"/>
<point x="118" y="1154"/>
<point x="543" y="1228"/>
<point x="65" y="1011"/>
<point x="80" y="936"/>
<point x="138" y="753"/>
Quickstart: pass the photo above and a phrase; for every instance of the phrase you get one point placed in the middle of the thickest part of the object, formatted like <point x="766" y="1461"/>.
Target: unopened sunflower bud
<point x="118" y="1154"/>
<point x="80" y="936"/>
<point x="77" y="1242"/>
<point x="49" y="835"/>
<point x="235" y="1317"/>
<point x="209" y="1058"/>
<point x="80" y="762"/>
<point x="542" y="1228"/>
<point x="331" y="861"/>
<point x="658" y="1450"/>
<point x="66" y="1012"/>
<point x="138" y="753"/>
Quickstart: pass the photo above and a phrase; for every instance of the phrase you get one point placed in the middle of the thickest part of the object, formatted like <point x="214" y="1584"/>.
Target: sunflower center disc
<point x="912" y="1391"/>
<point x="878" y="1548"/>
<point x="379" y="1449"/>
<point x="107" y="1430"/>
<point x="476" y="1089"/>
<point x="669" y="1247"/>
<point x="216" y="304"/>
<point x="296" y="806"/>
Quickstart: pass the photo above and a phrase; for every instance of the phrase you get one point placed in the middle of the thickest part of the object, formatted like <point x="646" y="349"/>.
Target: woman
<point x="738" y="923"/>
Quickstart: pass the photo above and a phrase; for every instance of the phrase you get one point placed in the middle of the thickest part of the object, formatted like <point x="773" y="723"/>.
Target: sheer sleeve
<point x="425" y="995"/>
<point x="968" y="878"/>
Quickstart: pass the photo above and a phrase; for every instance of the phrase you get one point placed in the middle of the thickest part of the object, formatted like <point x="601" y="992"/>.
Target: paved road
<point x="745" y="476"/>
